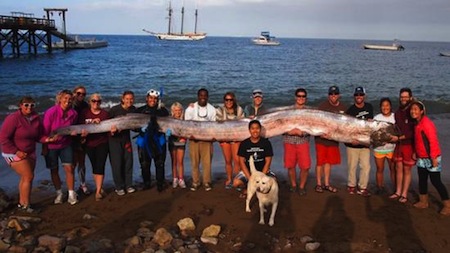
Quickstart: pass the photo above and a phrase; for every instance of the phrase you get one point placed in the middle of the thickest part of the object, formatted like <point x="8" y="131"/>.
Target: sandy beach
<point x="339" y="221"/>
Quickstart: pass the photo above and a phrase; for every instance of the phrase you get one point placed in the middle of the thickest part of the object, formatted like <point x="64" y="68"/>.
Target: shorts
<point x="380" y="155"/>
<point x="327" y="154"/>
<point x="241" y="176"/>
<point x="54" y="155"/>
<point x="404" y="153"/>
<point x="177" y="145"/>
<point x="297" y="154"/>
<point x="10" y="158"/>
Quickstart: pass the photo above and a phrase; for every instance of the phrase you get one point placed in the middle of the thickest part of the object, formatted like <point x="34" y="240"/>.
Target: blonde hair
<point x="62" y="93"/>
<point x="79" y="87"/>
<point x="95" y="95"/>
<point x="175" y="105"/>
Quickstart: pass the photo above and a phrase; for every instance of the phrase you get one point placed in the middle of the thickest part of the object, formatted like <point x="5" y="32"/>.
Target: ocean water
<point x="223" y="64"/>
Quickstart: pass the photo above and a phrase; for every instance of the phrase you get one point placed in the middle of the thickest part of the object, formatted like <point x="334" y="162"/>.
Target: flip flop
<point x="330" y="188"/>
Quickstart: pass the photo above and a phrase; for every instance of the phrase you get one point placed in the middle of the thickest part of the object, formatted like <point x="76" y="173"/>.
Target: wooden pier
<point x="24" y="33"/>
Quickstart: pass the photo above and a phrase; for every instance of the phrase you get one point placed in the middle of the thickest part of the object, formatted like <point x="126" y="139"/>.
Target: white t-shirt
<point x="200" y="113"/>
<point x="388" y="147"/>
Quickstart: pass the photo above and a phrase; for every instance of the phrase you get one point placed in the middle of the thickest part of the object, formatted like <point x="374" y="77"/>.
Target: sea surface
<point x="223" y="64"/>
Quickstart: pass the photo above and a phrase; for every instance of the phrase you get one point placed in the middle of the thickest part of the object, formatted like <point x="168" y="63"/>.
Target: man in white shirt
<point x="201" y="151"/>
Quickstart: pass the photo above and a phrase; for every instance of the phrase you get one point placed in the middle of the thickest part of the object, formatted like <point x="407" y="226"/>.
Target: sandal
<point x="229" y="186"/>
<point x="330" y="188"/>
<point x="403" y="200"/>
<point x="318" y="189"/>
<point x="394" y="196"/>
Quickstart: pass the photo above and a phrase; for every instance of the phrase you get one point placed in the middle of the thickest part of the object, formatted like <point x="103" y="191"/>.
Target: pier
<point x="24" y="33"/>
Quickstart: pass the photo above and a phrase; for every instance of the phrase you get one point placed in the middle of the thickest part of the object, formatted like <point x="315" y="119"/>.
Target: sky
<point x="412" y="20"/>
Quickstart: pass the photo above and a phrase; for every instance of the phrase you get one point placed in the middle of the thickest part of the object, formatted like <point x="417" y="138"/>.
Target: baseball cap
<point x="153" y="93"/>
<point x="333" y="90"/>
<point x="257" y="93"/>
<point x="359" y="90"/>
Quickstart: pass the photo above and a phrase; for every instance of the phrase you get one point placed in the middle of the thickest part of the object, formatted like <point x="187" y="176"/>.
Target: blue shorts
<point x="241" y="176"/>
<point x="54" y="155"/>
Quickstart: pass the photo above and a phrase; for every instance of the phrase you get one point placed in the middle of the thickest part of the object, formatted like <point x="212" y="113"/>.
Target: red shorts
<point x="327" y="154"/>
<point x="297" y="154"/>
<point x="404" y="153"/>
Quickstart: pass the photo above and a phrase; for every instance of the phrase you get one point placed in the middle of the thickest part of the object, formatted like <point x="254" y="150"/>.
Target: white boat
<point x="445" y="54"/>
<point x="80" y="43"/>
<point x="179" y="36"/>
<point x="265" y="40"/>
<point x="394" y="47"/>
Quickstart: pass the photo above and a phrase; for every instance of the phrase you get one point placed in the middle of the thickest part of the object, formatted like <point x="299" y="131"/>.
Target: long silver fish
<point x="338" y="127"/>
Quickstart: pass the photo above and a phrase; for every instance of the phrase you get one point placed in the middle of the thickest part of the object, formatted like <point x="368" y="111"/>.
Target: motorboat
<point x="394" y="47"/>
<point x="265" y="40"/>
<point x="445" y="54"/>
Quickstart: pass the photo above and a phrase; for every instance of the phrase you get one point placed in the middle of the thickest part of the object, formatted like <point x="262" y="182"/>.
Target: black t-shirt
<point x="259" y="151"/>
<point x="366" y="112"/>
<point x="119" y="111"/>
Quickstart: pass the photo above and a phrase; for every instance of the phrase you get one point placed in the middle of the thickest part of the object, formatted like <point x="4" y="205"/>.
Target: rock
<point x="17" y="249"/>
<point x="177" y="243"/>
<point x="72" y="249"/>
<point x="211" y="231"/>
<point x="306" y="239"/>
<point x="145" y="233"/>
<point x="312" y="246"/>
<point x="186" y="224"/>
<point x="77" y="232"/>
<point x="14" y="223"/>
<point x="209" y="239"/>
<point x="27" y="218"/>
<point x="162" y="237"/>
<point x="54" y="244"/>
<point x="133" y="241"/>
<point x="146" y="224"/>
<point x="287" y="247"/>
<point x="4" y="246"/>
<point x="89" y="217"/>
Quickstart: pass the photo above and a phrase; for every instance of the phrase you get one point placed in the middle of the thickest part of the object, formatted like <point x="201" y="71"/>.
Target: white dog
<point x="266" y="189"/>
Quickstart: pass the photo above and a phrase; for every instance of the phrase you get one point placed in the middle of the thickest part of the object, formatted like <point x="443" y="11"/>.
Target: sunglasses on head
<point x="81" y="93"/>
<point x="29" y="105"/>
<point x="96" y="101"/>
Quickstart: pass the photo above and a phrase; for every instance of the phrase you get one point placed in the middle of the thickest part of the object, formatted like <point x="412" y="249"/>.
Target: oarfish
<point x="338" y="127"/>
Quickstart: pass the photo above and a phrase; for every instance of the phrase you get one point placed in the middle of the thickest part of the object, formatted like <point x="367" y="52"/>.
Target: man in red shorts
<point x="296" y="149"/>
<point x="327" y="151"/>
<point x="403" y="153"/>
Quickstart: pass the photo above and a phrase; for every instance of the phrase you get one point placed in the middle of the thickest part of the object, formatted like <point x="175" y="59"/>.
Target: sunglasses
<point x="228" y="100"/>
<point x="96" y="101"/>
<point x="301" y="96"/>
<point x="80" y="93"/>
<point x="29" y="105"/>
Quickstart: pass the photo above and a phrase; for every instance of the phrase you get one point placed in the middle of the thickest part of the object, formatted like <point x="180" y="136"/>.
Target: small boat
<point x="445" y="54"/>
<point x="265" y="40"/>
<point x="80" y="43"/>
<point x="394" y="47"/>
<point x="178" y="36"/>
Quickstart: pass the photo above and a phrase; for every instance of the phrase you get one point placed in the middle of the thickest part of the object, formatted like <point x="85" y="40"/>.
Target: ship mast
<point x="170" y="17"/>
<point x="196" y="14"/>
<point x="182" y="18"/>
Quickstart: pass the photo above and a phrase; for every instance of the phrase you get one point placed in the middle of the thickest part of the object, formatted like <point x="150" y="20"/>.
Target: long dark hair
<point x="231" y="94"/>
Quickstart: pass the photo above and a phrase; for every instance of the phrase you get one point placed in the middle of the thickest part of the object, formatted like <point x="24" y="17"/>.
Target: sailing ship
<point x="182" y="35"/>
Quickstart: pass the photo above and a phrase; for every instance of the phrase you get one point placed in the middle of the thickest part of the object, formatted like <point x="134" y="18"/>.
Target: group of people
<point x="416" y="143"/>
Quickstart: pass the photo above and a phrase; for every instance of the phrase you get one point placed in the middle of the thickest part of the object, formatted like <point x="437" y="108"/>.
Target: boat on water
<point x="394" y="47"/>
<point x="445" y="54"/>
<point x="182" y="35"/>
<point x="80" y="43"/>
<point x="265" y="40"/>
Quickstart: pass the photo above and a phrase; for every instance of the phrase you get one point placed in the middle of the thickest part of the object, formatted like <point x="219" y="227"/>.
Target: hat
<point x="333" y="89"/>
<point x="359" y="90"/>
<point x="257" y="93"/>
<point x="153" y="93"/>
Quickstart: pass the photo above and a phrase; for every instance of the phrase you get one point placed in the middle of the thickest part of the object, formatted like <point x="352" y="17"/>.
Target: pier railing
<point x="25" y="23"/>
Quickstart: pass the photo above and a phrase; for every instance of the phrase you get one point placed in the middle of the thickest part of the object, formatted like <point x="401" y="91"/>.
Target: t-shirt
<point x="388" y="147"/>
<point x="87" y="117"/>
<point x="364" y="113"/>
<point x="326" y="106"/>
<point x="259" y="151"/>
<point x="119" y="111"/>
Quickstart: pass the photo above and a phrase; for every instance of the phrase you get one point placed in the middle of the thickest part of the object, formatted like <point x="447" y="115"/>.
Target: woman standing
<point x="96" y="144"/>
<point x="61" y="115"/>
<point x="230" y="111"/>
<point x="384" y="153"/>
<point x="18" y="136"/>
<point x="120" y="149"/>
<point x="79" y="152"/>
<point x="428" y="154"/>
<point x="177" y="148"/>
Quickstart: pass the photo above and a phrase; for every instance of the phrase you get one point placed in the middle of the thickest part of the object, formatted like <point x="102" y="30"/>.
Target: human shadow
<point x="334" y="229"/>
<point x="398" y="225"/>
